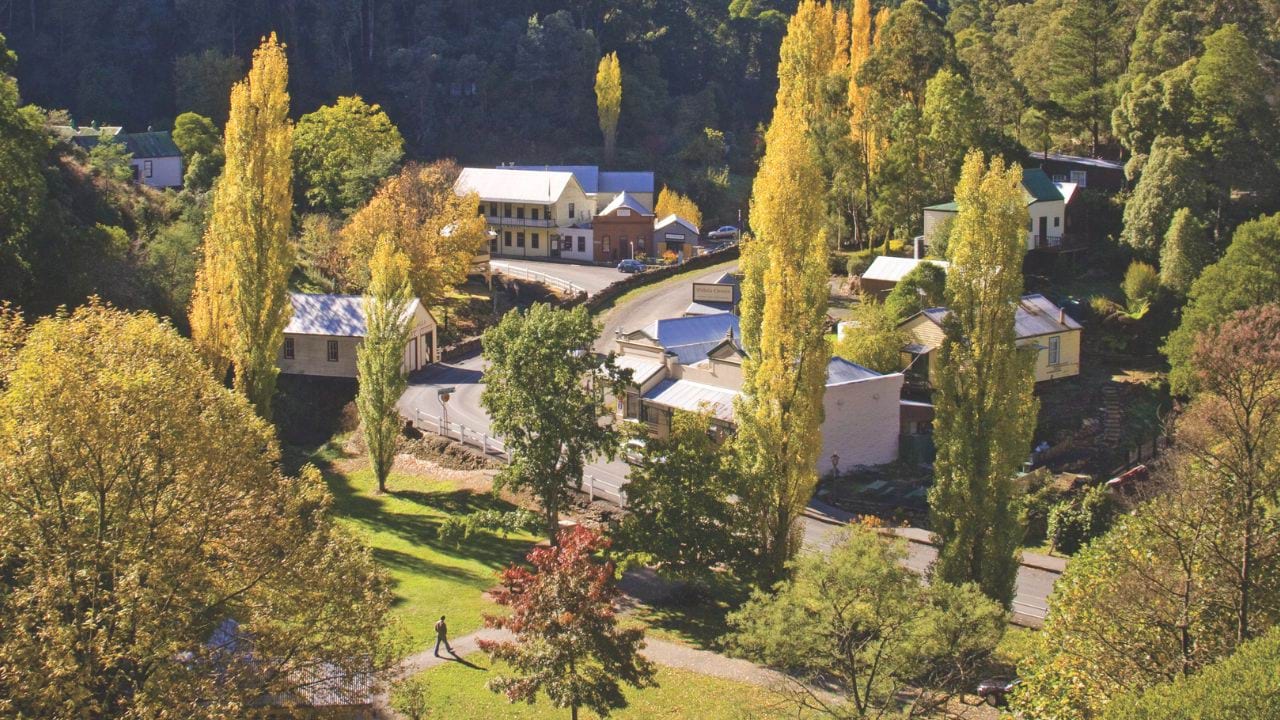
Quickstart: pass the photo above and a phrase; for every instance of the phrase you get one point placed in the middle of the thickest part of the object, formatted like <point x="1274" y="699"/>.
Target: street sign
<point x="446" y="391"/>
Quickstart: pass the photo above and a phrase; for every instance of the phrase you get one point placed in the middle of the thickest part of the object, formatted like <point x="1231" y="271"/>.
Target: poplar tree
<point x="671" y="202"/>
<point x="784" y="309"/>
<point x="380" y="357"/>
<point x="241" y="302"/>
<point x="609" y="100"/>
<point x="985" y="408"/>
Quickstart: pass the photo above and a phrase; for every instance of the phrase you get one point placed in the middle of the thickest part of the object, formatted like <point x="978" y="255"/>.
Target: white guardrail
<point x="535" y="276"/>
<point x="492" y="445"/>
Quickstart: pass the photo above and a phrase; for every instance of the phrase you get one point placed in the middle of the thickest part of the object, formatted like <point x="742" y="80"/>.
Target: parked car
<point x="995" y="692"/>
<point x="723" y="233"/>
<point x="633" y="451"/>
<point x="630" y="266"/>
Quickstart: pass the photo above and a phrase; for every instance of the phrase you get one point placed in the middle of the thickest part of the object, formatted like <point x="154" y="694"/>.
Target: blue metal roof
<point x="594" y="181"/>
<point x="691" y="338"/>
<point x="841" y="371"/>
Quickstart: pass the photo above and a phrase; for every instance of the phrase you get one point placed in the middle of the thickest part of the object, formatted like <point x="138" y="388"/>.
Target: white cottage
<point x="325" y="330"/>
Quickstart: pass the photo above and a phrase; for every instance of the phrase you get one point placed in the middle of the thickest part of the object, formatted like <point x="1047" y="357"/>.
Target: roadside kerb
<point x="541" y="277"/>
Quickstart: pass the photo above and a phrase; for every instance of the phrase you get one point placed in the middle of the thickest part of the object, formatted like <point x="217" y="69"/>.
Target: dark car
<point x="995" y="692"/>
<point x="630" y="266"/>
<point x="723" y="233"/>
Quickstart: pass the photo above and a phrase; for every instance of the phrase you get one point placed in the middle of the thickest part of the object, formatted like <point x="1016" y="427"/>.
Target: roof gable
<point x="624" y="200"/>
<point x="675" y="220"/>
<point x="1038" y="186"/>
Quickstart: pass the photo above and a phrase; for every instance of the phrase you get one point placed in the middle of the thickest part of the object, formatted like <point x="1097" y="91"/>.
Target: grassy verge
<point x="700" y="624"/>
<point x="454" y="688"/>
<point x="429" y="578"/>
<point x="644" y="289"/>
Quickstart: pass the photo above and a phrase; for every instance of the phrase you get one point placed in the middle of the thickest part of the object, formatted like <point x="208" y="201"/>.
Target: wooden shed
<point x="325" y="330"/>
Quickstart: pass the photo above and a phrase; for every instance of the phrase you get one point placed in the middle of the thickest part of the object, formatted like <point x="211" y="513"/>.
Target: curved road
<point x="662" y="301"/>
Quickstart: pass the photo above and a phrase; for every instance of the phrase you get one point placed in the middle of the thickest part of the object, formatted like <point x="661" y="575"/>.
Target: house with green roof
<point x="1046" y="204"/>
<point x="155" y="159"/>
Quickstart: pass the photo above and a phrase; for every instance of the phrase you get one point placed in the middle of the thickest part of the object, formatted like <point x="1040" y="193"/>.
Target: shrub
<point x="453" y="531"/>
<point x="1073" y="523"/>
<point x="1141" y="283"/>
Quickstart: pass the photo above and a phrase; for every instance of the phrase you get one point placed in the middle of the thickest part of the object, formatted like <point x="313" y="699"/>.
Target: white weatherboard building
<point x="695" y="364"/>
<point x="325" y="330"/>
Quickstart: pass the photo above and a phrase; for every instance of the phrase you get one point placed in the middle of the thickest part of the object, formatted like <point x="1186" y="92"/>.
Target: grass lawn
<point x="429" y="579"/>
<point x="455" y="689"/>
<point x="643" y="289"/>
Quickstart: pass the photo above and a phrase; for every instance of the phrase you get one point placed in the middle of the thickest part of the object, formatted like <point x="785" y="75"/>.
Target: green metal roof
<point x="155" y="144"/>
<point x="945" y="207"/>
<point x="1039" y="186"/>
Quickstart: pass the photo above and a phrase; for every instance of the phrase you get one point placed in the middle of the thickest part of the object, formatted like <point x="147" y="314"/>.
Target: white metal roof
<point x="893" y="269"/>
<point x="694" y="397"/>
<point x="642" y="368"/>
<point x="335" y="315"/>
<point x="1081" y="160"/>
<point x="1035" y="316"/>
<point x="623" y="199"/>
<point x="508" y="185"/>
<point x="676" y="220"/>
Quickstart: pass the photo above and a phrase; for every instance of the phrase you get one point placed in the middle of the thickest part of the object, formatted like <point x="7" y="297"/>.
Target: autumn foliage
<point x="568" y="643"/>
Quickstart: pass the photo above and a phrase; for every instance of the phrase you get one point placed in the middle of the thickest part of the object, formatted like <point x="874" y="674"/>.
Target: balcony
<point x="1055" y="243"/>
<point x="519" y="222"/>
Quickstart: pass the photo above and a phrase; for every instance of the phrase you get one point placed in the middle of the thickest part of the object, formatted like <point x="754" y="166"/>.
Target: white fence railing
<point x="535" y="276"/>
<point x="492" y="445"/>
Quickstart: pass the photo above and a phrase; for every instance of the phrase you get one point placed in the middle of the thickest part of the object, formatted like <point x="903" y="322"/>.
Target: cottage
<point x="325" y="330"/>
<point x="155" y="159"/>
<point x="1094" y="173"/>
<point x="1040" y="325"/>
<point x="678" y="235"/>
<point x="1046" y="205"/>
<point x="886" y="272"/>
<point x="694" y="364"/>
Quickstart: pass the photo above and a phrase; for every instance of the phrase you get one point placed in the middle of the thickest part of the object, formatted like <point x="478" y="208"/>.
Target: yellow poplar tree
<point x="438" y="230"/>
<point x="241" y="303"/>
<point x="671" y="202"/>
<point x="985" y="406"/>
<point x="609" y="100"/>
<point x="380" y="357"/>
<point x="785" y="304"/>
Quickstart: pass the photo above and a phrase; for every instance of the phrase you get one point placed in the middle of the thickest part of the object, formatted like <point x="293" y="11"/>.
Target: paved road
<point x="665" y="301"/>
<point x="591" y="278"/>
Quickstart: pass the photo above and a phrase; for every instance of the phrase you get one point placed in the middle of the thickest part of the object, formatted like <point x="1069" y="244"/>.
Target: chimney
<point x="1062" y="316"/>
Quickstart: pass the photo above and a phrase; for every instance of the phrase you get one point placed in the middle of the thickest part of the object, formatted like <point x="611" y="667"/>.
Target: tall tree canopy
<point x="241" y="301"/>
<point x="380" y="357"/>
<point x="145" y="522"/>
<point x="609" y="101"/>
<point x="342" y="151"/>
<point x="985" y="407"/>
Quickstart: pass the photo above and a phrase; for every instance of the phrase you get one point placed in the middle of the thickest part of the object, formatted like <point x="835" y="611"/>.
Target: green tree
<point x="23" y="188"/>
<point x="910" y="48"/>
<point x="1171" y="179"/>
<point x="380" y="357"/>
<point x="241" y="303"/>
<point x="784" y="320"/>
<point x="1187" y="250"/>
<point x="195" y="134"/>
<point x="1247" y="275"/>
<point x="609" y="101"/>
<point x="985" y="404"/>
<point x="858" y="616"/>
<point x="956" y="123"/>
<point x="680" y="502"/>
<point x="202" y="82"/>
<point x="872" y="338"/>
<point x="109" y="157"/>
<point x="181" y="523"/>
<point x="342" y="151"/>
<point x="1244" y="686"/>
<point x="1085" y="65"/>
<point x="671" y="202"/>
<point x="567" y="640"/>
<point x="543" y="392"/>
<point x="924" y="287"/>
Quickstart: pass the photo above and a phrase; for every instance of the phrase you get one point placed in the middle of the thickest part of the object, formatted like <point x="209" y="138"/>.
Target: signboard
<point x="712" y="292"/>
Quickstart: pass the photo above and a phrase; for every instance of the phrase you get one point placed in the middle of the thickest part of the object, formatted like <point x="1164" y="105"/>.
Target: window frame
<point x="288" y="349"/>
<point x="331" y="351"/>
<point x="1055" y="350"/>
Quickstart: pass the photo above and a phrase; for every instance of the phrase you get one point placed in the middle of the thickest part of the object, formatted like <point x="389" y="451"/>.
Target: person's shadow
<point x="454" y="657"/>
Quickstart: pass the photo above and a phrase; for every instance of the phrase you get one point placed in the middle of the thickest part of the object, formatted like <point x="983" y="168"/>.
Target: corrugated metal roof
<point x="155" y="144"/>
<point x="893" y="269"/>
<point x="675" y="220"/>
<point x="629" y="181"/>
<point x="1081" y="160"/>
<point x="588" y="176"/>
<point x="1035" y="315"/>
<point x="509" y="185"/>
<point x="694" y="397"/>
<point x="624" y="199"/>
<point x="945" y="207"/>
<point x="336" y="315"/>
<point x="707" y="308"/>
<point x="691" y="338"/>
<point x="641" y="368"/>
<point x="841" y="371"/>
<point x="1038" y="185"/>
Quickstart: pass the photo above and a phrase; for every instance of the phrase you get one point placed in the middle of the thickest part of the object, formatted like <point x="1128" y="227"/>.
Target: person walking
<point x="442" y="636"/>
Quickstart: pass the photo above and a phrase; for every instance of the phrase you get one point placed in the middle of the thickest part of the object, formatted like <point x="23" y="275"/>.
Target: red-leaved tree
<point x="567" y="640"/>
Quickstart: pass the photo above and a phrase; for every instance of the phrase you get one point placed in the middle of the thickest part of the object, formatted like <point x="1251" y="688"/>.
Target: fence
<point x="492" y="445"/>
<point x="535" y="276"/>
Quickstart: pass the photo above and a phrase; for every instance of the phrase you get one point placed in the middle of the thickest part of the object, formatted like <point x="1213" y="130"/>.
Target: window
<point x="520" y="212"/>
<point x="1055" y="350"/>
<point x="1079" y="177"/>
<point x="506" y="238"/>
<point x="571" y="215"/>
<point x="506" y="209"/>
<point x="1057" y="221"/>
<point x="520" y="239"/>
<point x="493" y="209"/>
<point x="632" y="407"/>
<point x="533" y="213"/>
<point x="624" y="212"/>
<point x="582" y="243"/>
<point x="146" y="168"/>
<point x="640" y="241"/>
<point x="533" y="241"/>
<point x="606" y="245"/>
<point x="566" y="243"/>
<point x="288" y="348"/>
<point x="333" y="351"/>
